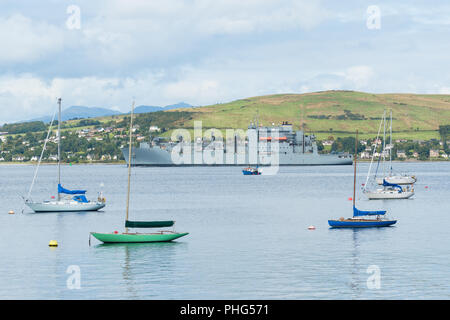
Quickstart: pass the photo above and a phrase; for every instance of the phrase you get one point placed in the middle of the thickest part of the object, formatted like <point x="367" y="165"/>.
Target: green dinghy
<point x="129" y="237"/>
<point x="163" y="236"/>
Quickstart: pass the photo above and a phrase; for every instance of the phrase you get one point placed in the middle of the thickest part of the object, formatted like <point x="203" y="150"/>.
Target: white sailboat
<point x="389" y="188"/>
<point x="392" y="177"/>
<point x="67" y="200"/>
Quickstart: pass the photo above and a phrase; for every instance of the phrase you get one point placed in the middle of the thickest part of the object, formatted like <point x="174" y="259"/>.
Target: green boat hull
<point x="137" y="237"/>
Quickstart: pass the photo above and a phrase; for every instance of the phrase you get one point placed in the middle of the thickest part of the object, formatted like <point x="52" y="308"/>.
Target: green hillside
<point x="416" y="116"/>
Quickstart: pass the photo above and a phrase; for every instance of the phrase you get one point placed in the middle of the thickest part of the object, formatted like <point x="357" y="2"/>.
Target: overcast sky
<point x="203" y="52"/>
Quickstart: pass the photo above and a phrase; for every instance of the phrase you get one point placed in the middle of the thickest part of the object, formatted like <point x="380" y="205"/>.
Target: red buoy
<point x="350" y="199"/>
<point x="116" y="232"/>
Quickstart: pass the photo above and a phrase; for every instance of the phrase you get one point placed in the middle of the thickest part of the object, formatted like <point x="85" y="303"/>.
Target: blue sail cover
<point x="62" y="190"/>
<point x="387" y="184"/>
<point x="81" y="199"/>
<point x="357" y="213"/>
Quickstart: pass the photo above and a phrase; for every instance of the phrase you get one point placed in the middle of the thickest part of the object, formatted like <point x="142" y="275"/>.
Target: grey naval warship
<point x="294" y="148"/>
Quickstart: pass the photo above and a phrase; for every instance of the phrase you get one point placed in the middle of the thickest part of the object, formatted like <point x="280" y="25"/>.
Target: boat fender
<point x="53" y="243"/>
<point x="341" y="219"/>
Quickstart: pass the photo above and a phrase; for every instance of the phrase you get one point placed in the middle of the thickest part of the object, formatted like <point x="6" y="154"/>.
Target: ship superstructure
<point x="263" y="145"/>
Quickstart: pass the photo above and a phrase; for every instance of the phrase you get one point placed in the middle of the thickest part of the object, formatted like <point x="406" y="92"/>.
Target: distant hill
<point x="82" y="112"/>
<point x="326" y="113"/>
<point x="333" y="112"/>
<point x="178" y="106"/>
<point x="147" y="109"/>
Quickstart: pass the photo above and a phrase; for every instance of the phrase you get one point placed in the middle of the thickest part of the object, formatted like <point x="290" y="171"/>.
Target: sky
<point x="105" y="53"/>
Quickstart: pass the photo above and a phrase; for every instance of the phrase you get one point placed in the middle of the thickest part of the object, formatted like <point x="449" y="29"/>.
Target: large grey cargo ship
<point x="275" y="145"/>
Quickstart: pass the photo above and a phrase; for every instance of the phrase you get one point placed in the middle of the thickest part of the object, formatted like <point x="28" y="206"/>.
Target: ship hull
<point x="158" y="157"/>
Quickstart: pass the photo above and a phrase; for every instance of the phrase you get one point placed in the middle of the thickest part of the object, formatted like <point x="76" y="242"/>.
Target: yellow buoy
<point x="53" y="243"/>
<point x="11" y="212"/>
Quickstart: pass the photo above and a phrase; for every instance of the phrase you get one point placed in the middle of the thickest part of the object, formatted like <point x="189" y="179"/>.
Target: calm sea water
<point x="248" y="236"/>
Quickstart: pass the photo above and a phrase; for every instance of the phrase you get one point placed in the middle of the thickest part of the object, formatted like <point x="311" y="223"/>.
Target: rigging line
<point x="390" y="146"/>
<point x="382" y="153"/>
<point x="373" y="153"/>
<point x="40" y="158"/>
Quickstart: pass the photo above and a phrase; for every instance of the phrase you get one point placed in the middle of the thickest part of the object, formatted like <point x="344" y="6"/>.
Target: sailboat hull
<point x="397" y="180"/>
<point x="380" y="195"/>
<point x="137" y="237"/>
<point x="360" y="223"/>
<point x="65" y="207"/>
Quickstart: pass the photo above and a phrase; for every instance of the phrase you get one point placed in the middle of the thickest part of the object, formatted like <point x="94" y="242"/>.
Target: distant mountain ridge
<point x="83" y="112"/>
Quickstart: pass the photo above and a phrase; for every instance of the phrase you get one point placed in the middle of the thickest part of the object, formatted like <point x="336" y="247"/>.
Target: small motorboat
<point x="251" y="171"/>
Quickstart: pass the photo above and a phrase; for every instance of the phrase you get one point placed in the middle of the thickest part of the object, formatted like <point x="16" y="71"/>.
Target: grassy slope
<point x="411" y="112"/>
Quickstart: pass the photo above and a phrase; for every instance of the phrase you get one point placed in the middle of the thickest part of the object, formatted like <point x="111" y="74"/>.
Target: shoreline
<point x="62" y="163"/>
<point x="124" y="163"/>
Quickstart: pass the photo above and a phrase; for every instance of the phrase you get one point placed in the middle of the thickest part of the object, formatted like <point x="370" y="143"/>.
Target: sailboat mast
<point x="384" y="144"/>
<point x="59" y="147"/>
<point x="354" y="170"/>
<point x="129" y="163"/>
<point x="390" y="146"/>
<point x="257" y="138"/>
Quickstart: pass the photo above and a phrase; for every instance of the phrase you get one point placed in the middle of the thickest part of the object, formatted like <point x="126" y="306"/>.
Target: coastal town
<point x="91" y="141"/>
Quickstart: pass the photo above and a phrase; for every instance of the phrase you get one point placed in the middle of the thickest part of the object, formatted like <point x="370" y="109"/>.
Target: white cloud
<point x="24" y="40"/>
<point x="203" y="52"/>
<point x="444" y="90"/>
<point x="359" y="75"/>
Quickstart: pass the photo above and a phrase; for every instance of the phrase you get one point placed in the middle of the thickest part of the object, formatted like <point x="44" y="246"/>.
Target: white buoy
<point x="11" y="212"/>
<point x="311" y="228"/>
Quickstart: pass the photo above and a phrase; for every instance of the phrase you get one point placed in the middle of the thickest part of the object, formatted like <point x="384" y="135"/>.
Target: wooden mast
<point x="354" y="173"/>
<point x="59" y="147"/>
<point x="390" y="146"/>
<point x="129" y="164"/>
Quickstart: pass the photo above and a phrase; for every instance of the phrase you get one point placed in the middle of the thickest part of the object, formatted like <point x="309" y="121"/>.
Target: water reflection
<point x="355" y="284"/>
<point x="145" y="266"/>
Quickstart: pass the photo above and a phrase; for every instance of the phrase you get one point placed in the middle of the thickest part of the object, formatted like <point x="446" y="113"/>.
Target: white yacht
<point x="67" y="200"/>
